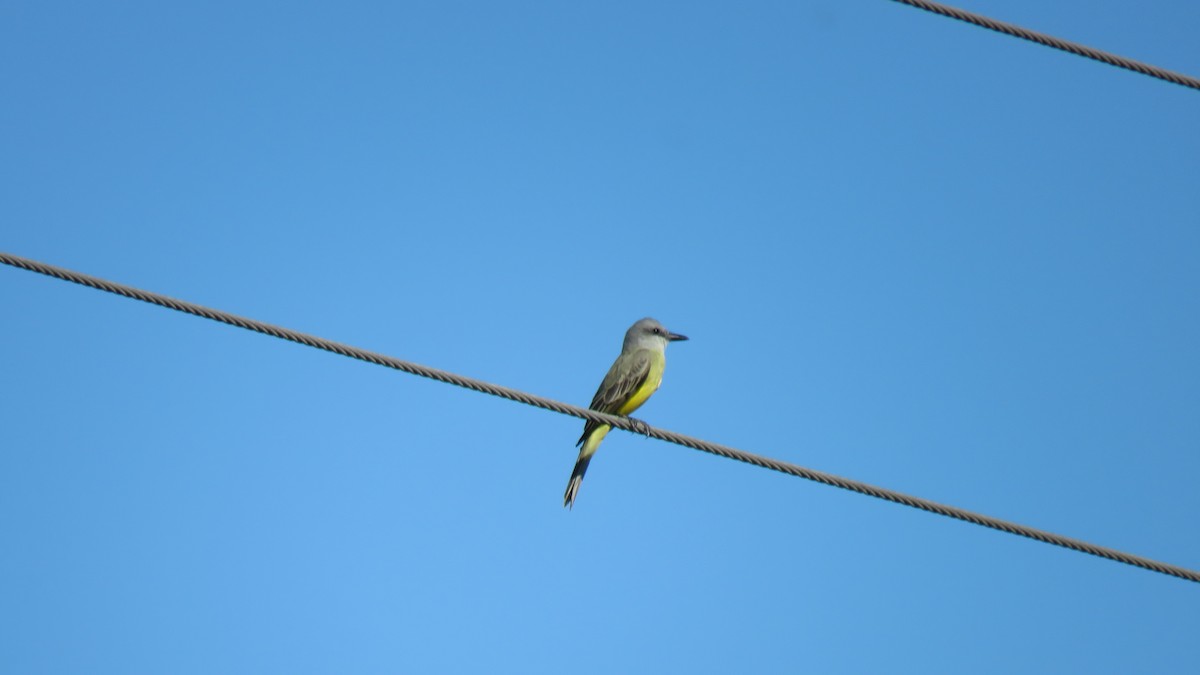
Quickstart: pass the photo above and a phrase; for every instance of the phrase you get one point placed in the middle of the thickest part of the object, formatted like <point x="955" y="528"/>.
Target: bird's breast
<point x="649" y="386"/>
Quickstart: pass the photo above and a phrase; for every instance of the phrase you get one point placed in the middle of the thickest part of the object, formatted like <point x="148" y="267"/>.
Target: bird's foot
<point x="640" y="427"/>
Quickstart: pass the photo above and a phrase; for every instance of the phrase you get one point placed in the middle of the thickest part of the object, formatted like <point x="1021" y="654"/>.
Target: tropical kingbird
<point x="634" y="376"/>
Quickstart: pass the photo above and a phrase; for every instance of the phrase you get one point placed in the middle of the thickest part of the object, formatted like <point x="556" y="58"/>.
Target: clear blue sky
<point x="907" y="251"/>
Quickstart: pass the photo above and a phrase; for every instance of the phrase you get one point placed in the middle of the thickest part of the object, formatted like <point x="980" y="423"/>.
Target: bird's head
<point x="650" y="333"/>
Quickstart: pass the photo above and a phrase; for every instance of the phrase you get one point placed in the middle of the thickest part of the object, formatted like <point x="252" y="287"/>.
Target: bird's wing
<point x="626" y="376"/>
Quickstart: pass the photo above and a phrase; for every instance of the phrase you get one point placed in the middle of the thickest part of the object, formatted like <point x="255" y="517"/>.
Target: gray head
<point x="649" y="334"/>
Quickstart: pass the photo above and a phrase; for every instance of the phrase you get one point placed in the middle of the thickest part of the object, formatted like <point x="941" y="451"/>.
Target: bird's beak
<point x="675" y="337"/>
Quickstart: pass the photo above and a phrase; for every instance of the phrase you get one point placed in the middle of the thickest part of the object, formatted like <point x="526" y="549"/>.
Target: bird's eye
<point x="657" y="331"/>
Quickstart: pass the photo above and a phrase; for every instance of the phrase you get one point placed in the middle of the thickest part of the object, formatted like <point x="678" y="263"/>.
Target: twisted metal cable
<point x="1056" y="43"/>
<point x="626" y="423"/>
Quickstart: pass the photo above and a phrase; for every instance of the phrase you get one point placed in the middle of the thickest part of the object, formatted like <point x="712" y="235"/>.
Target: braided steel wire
<point x="1054" y="42"/>
<point x="626" y="423"/>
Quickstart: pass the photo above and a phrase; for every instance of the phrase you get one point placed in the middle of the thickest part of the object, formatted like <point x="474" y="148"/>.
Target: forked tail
<point x="590" y="442"/>
<point x="581" y="466"/>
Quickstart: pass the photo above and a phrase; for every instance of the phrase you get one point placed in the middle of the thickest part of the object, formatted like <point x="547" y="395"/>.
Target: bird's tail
<point x="581" y="466"/>
<point x="585" y="457"/>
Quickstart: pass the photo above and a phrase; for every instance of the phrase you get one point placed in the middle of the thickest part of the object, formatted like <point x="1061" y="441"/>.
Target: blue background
<point x="907" y="250"/>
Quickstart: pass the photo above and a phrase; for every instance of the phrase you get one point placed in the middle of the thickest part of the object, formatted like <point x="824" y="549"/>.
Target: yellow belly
<point x="653" y="380"/>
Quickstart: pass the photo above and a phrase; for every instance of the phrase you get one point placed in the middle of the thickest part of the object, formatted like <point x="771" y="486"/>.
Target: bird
<point x="632" y="379"/>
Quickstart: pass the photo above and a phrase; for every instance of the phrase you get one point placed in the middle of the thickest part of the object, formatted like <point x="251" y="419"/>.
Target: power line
<point x="1056" y="43"/>
<point x="625" y="423"/>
